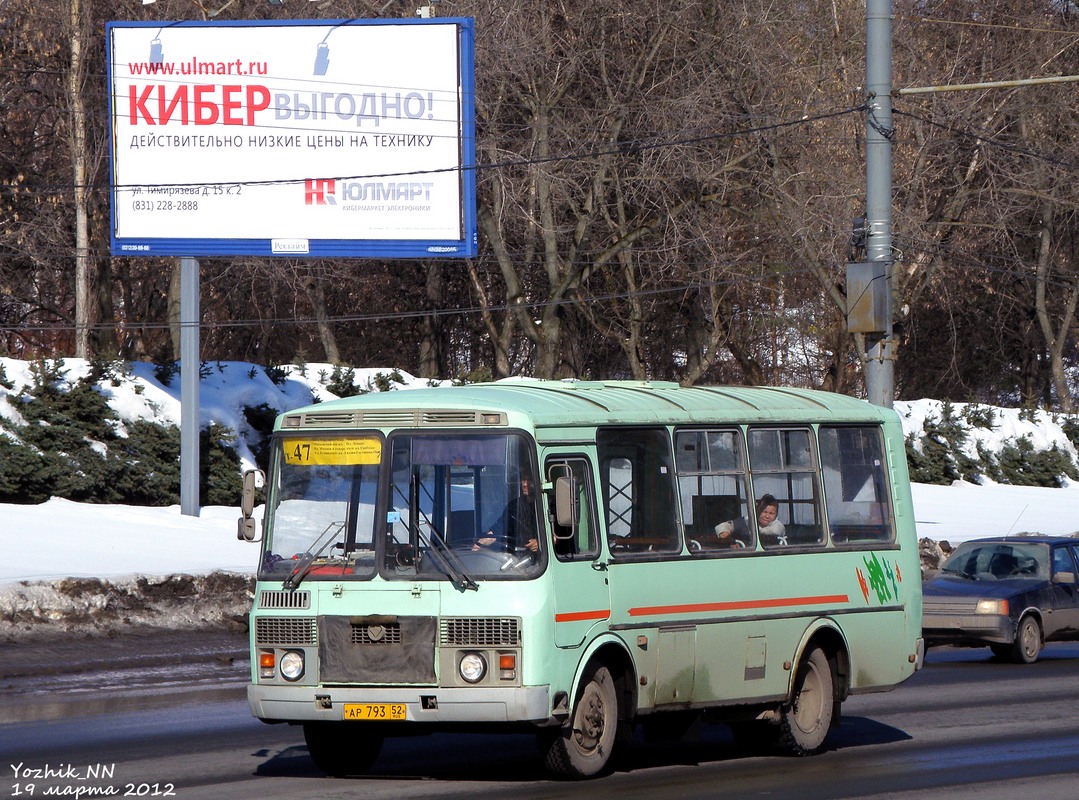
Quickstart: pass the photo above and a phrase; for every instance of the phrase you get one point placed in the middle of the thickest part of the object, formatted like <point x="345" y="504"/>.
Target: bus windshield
<point x="458" y="507"/>
<point x="322" y="516"/>
<point x="462" y="507"/>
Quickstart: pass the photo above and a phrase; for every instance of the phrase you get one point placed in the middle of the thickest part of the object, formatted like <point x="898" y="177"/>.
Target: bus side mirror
<point x="567" y="502"/>
<point x="245" y="526"/>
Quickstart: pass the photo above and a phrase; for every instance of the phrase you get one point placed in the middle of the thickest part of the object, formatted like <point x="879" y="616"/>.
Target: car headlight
<point x="292" y="665"/>
<point x="999" y="607"/>
<point x="473" y="667"/>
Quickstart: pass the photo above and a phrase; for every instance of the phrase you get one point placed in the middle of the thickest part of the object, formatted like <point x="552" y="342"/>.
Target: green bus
<point x="575" y="558"/>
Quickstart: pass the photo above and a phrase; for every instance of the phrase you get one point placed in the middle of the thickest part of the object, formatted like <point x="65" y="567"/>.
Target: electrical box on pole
<point x="868" y="300"/>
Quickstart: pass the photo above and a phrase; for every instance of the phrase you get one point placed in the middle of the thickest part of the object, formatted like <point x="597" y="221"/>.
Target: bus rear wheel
<point x="582" y="747"/>
<point x="804" y="722"/>
<point x="340" y="749"/>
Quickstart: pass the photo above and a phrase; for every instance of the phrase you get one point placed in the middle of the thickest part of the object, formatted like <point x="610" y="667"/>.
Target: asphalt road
<point x="967" y="726"/>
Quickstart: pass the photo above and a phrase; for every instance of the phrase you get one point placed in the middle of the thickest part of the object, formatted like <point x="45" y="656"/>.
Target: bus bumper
<point x="422" y="704"/>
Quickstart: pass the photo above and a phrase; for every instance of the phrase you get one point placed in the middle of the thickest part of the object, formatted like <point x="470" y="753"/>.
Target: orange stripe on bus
<point x="739" y="605"/>
<point x="578" y="616"/>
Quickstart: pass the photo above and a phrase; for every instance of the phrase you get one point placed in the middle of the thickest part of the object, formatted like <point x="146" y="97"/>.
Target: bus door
<point x="581" y="596"/>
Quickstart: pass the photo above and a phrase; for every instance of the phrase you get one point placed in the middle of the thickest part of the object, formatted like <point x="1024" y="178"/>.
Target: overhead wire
<point x="625" y="148"/>
<point x="1006" y="267"/>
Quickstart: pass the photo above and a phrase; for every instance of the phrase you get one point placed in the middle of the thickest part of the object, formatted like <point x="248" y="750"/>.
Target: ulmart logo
<point x="319" y="192"/>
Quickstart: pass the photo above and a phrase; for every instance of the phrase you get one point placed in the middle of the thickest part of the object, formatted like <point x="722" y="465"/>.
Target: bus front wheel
<point x="804" y="722"/>
<point x="582" y="747"/>
<point x="340" y="749"/>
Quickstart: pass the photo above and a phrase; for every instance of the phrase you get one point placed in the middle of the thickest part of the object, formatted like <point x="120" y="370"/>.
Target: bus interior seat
<point x="711" y="509"/>
<point x="708" y="512"/>
<point x="803" y="534"/>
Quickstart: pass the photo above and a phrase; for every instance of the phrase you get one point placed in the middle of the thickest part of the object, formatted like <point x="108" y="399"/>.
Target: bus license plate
<point x="375" y="711"/>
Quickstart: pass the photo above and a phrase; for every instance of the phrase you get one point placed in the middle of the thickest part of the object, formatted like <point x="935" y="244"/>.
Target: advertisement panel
<point x="295" y="138"/>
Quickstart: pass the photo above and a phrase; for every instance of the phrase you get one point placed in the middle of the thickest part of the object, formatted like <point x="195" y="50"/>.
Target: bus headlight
<point x="473" y="667"/>
<point x="292" y="665"/>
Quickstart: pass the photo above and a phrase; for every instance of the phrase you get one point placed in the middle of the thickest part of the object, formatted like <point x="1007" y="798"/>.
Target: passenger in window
<point x="516" y="523"/>
<point x="736" y="533"/>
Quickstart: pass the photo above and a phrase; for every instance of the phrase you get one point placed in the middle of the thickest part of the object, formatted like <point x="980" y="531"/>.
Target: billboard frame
<point x="129" y="236"/>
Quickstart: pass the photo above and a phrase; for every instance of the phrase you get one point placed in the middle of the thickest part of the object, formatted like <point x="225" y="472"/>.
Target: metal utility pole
<point x="869" y="284"/>
<point x="879" y="348"/>
<point x="189" y="387"/>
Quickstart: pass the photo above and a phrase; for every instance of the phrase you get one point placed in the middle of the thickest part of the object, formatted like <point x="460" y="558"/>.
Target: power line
<point x="964" y="260"/>
<point x="992" y="140"/>
<point x="622" y="149"/>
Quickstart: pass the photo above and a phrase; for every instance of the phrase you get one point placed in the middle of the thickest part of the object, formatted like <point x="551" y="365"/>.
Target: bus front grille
<point x="275" y="598"/>
<point x="285" y="631"/>
<point x="480" y="631"/>
<point x="376" y="634"/>
<point x="356" y="650"/>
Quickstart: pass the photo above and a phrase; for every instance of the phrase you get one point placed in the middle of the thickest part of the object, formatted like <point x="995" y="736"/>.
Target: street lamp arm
<point x="962" y="87"/>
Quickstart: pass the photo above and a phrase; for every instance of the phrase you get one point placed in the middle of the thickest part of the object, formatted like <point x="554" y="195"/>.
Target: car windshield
<point x="996" y="561"/>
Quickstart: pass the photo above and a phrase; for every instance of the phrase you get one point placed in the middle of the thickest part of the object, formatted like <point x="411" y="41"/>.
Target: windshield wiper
<point x="301" y="568"/>
<point x="445" y="559"/>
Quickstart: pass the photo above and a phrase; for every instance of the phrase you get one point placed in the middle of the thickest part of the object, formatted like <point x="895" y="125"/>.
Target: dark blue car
<point x="1012" y="593"/>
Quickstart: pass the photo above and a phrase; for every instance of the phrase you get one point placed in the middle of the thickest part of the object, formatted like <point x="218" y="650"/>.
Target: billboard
<point x="300" y="137"/>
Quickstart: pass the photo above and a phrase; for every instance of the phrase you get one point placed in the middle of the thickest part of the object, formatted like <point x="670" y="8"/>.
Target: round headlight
<point x="473" y="667"/>
<point x="292" y="665"/>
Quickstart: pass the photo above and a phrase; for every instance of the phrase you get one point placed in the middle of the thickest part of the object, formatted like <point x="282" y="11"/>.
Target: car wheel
<point x="1028" y="641"/>
<point x="804" y="723"/>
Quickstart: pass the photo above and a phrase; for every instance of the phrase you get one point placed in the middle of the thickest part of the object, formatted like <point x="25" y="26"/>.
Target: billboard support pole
<point x="189" y="387"/>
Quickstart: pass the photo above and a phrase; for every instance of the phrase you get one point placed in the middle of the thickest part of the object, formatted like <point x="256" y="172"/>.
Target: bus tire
<point x="804" y="722"/>
<point x="339" y="749"/>
<point x="582" y="747"/>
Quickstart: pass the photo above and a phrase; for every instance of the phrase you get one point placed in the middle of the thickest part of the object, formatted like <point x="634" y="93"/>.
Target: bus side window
<point x="712" y="488"/>
<point x="637" y="476"/>
<point x="855" y="484"/>
<point x="581" y="542"/>
<point x="784" y="468"/>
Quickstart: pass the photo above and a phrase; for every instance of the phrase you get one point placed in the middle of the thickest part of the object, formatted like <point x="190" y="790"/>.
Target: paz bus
<point x="547" y="556"/>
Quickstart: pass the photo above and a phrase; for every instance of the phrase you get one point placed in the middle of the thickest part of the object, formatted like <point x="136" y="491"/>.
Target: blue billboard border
<point x="466" y="247"/>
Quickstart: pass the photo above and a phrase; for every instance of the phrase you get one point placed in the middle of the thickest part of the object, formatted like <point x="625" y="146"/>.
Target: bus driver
<point x="518" y="517"/>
